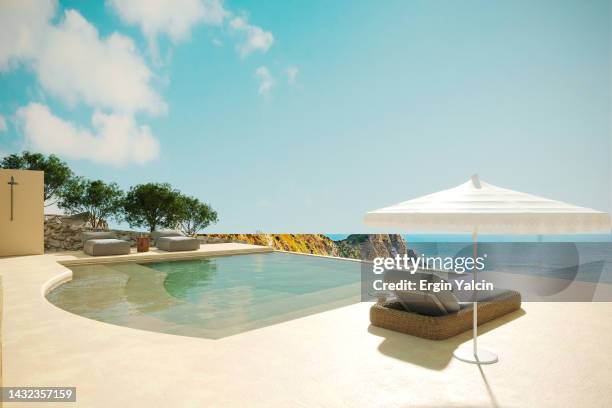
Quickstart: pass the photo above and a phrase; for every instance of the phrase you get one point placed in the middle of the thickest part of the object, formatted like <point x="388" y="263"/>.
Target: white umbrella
<point x="476" y="206"/>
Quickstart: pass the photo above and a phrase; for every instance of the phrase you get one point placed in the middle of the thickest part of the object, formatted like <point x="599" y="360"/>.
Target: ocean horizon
<point x="494" y="238"/>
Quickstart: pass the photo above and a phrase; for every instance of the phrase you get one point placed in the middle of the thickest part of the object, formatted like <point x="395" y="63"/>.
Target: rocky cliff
<point x="358" y="246"/>
<point x="317" y="244"/>
<point x="370" y="246"/>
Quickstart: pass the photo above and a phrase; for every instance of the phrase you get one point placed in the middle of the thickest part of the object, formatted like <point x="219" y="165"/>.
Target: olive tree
<point x="194" y="215"/>
<point x="57" y="172"/>
<point x="151" y="206"/>
<point x="97" y="200"/>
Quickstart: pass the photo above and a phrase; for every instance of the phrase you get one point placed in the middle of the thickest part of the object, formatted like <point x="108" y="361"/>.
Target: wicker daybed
<point x="393" y="316"/>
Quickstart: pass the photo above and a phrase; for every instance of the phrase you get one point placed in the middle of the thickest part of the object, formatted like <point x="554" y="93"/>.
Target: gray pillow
<point x="86" y="236"/>
<point x="425" y="302"/>
<point x="165" y="233"/>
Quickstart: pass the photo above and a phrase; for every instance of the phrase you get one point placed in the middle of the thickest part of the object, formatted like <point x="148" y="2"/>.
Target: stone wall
<point x="66" y="236"/>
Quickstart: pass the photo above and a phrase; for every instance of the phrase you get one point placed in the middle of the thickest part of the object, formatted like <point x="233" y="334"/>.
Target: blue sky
<point x="388" y="100"/>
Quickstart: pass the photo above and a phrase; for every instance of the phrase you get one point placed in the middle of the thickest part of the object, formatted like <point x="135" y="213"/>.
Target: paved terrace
<point x="551" y="354"/>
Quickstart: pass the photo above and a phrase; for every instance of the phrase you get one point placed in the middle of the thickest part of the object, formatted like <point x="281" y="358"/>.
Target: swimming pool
<point x="211" y="297"/>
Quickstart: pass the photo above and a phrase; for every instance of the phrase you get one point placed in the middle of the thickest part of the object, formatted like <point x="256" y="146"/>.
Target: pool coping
<point x="159" y="255"/>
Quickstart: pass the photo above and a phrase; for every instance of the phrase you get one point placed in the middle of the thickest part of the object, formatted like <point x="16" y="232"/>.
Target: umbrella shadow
<point x="490" y="392"/>
<point x="431" y="354"/>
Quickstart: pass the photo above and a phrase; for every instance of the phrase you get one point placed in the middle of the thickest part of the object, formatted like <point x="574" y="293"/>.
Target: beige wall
<point x="25" y="234"/>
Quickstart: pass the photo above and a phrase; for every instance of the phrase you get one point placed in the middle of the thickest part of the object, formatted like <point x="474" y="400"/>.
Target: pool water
<point x="212" y="297"/>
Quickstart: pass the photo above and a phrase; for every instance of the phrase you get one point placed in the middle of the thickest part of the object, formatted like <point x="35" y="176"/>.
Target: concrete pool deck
<point x="551" y="354"/>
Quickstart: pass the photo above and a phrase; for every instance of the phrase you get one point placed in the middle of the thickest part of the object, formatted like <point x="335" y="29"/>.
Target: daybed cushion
<point x="423" y="302"/>
<point x="101" y="247"/>
<point x="155" y="235"/>
<point x="392" y="315"/>
<point x="175" y="243"/>
<point x="466" y="297"/>
<point x="86" y="236"/>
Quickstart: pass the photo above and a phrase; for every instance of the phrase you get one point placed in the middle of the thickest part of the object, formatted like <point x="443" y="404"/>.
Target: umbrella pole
<point x="475" y="294"/>
<point x="471" y="354"/>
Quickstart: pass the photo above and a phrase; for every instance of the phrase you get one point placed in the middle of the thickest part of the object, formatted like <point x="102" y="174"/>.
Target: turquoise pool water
<point x="211" y="298"/>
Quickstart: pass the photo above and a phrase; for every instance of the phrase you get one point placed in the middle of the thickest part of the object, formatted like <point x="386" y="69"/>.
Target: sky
<point x="291" y="116"/>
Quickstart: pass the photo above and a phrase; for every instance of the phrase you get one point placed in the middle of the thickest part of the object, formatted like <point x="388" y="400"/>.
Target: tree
<point x="152" y="205"/>
<point x="57" y="172"/>
<point x="98" y="200"/>
<point x="193" y="215"/>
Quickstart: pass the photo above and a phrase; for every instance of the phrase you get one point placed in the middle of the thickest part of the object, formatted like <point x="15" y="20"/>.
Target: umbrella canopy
<point x="489" y="209"/>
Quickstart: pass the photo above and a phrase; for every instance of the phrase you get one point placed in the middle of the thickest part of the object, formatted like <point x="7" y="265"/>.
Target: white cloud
<point x="114" y="139"/>
<point x="23" y="24"/>
<point x="3" y="126"/>
<point x="266" y="80"/>
<point x="174" y="18"/>
<point x="72" y="62"/>
<point x="177" y="18"/>
<point x="292" y="73"/>
<point x="75" y="64"/>
<point x="256" y="38"/>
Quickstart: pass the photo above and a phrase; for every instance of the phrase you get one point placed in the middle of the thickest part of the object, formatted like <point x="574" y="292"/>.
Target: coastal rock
<point x="357" y="246"/>
<point x="316" y="244"/>
<point x="370" y="246"/>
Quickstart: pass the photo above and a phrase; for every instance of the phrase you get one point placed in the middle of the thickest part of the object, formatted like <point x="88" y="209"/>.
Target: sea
<point x="582" y="257"/>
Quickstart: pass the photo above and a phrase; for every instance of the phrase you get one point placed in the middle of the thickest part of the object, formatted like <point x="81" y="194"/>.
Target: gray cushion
<point x="172" y="244"/>
<point x="101" y="247"/>
<point x="155" y="235"/>
<point x="86" y="236"/>
<point x="425" y="302"/>
<point x="466" y="298"/>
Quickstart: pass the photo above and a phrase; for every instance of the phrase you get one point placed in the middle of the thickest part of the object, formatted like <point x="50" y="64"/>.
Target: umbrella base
<point x="466" y="354"/>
